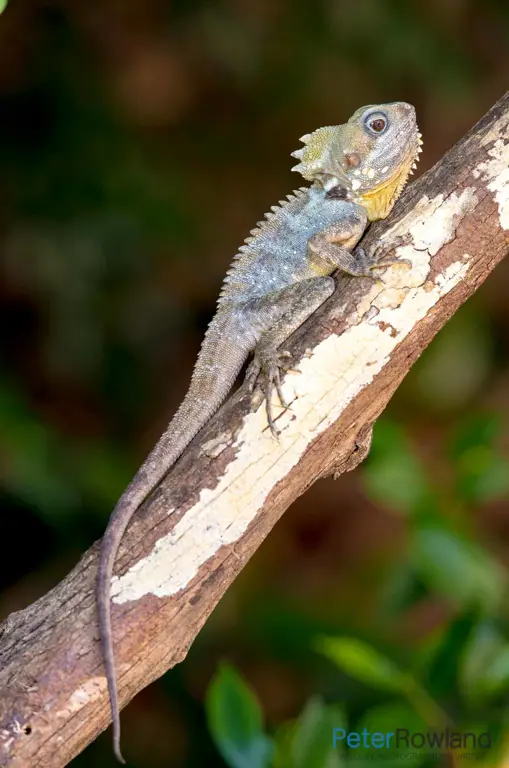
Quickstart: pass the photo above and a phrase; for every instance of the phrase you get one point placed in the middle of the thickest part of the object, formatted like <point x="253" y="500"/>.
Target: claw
<point x="253" y="372"/>
<point x="272" y="425"/>
<point x="392" y="263"/>
<point x="381" y="248"/>
<point x="266" y="369"/>
<point x="277" y="379"/>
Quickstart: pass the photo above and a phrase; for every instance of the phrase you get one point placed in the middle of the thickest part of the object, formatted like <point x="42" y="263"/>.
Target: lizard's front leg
<point x="294" y="305"/>
<point x="332" y="249"/>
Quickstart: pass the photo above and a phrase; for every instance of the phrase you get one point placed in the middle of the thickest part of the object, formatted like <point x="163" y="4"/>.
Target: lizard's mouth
<point x="380" y="200"/>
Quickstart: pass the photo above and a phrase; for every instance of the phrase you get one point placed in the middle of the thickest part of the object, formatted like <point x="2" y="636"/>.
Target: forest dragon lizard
<point x="278" y="279"/>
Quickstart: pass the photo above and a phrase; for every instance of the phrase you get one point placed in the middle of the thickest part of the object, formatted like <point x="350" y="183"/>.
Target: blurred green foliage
<point x="236" y="720"/>
<point x="139" y="143"/>
<point x="457" y="679"/>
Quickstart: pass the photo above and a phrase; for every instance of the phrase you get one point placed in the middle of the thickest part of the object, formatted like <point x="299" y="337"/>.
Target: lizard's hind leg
<point x="294" y="305"/>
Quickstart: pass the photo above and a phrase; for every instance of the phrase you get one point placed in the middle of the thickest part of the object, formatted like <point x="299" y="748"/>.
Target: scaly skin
<point x="279" y="277"/>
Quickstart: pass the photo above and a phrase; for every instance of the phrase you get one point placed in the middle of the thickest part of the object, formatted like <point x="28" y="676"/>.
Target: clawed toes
<point x="275" y="432"/>
<point x="266" y="371"/>
<point x="400" y="240"/>
<point x="275" y="378"/>
<point x="252" y="376"/>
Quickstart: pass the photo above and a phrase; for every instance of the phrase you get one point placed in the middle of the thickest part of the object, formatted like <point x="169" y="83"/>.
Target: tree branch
<point x="197" y="531"/>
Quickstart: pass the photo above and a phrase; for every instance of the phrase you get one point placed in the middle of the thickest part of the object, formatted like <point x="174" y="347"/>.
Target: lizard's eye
<point x="376" y="123"/>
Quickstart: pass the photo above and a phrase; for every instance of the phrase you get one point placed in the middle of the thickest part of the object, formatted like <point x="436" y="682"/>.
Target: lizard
<point x="279" y="277"/>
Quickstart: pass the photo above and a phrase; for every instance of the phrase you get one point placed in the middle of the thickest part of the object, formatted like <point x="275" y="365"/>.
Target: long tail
<point x="217" y="367"/>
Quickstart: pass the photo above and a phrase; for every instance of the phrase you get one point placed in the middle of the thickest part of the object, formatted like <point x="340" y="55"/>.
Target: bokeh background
<point x="139" y="143"/>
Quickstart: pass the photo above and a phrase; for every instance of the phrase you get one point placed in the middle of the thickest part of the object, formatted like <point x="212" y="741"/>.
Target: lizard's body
<point x="279" y="277"/>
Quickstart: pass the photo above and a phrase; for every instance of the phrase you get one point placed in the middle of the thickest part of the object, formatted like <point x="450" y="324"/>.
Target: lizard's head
<point x="370" y="157"/>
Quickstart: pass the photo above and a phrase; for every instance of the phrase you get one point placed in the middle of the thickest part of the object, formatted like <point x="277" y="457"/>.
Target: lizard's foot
<point x="376" y="257"/>
<point x="265" y="369"/>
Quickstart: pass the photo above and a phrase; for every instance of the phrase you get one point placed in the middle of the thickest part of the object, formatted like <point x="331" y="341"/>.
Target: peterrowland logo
<point x="402" y="738"/>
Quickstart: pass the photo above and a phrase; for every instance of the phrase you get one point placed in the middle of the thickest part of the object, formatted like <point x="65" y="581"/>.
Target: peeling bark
<point x="198" y="529"/>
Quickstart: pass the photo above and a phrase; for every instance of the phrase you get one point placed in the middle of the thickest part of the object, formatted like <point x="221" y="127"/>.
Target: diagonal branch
<point x="195" y="533"/>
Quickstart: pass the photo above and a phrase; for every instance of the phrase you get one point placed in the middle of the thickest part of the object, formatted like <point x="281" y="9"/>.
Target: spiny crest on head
<point x="314" y="156"/>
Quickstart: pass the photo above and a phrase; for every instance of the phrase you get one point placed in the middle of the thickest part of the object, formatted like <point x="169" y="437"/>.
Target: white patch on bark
<point x="495" y="172"/>
<point x="336" y="371"/>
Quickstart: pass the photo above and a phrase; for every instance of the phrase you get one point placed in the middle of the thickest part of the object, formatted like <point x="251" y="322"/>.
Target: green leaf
<point x="401" y="590"/>
<point x="308" y="742"/>
<point x="283" y="741"/>
<point x="235" y="721"/>
<point x="441" y="665"/>
<point x="362" y="662"/>
<point x="457" y="568"/>
<point x="3" y="5"/>
<point x="484" y="669"/>
<point x="496" y="679"/>
<point x="394" y="475"/>
<point x="484" y="643"/>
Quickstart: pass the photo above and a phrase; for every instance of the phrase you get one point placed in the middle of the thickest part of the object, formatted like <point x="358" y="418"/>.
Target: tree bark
<point x="205" y="520"/>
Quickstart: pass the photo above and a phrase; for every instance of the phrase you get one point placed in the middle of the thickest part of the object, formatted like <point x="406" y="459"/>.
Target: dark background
<point x="139" y="143"/>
